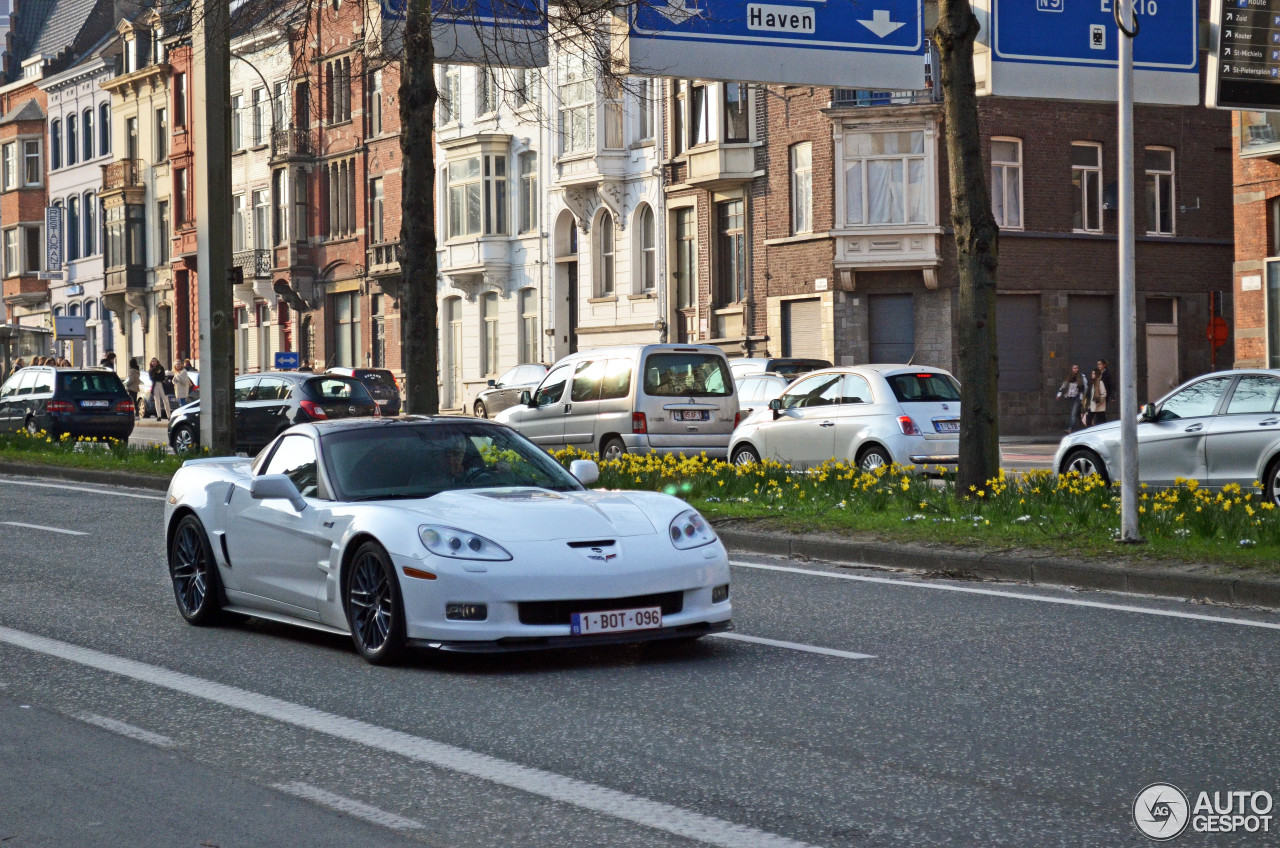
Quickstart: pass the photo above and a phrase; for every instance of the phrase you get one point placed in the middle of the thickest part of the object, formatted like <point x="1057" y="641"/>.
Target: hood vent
<point x="599" y="543"/>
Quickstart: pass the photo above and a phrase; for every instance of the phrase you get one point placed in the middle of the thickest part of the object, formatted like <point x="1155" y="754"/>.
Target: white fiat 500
<point x="453" y="534"/>
<point x="868" y="414"/>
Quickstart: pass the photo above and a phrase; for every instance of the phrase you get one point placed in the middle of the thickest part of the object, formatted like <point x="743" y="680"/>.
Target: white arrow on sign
<point x="880" y="23"/>
<point x="677" y="12"/>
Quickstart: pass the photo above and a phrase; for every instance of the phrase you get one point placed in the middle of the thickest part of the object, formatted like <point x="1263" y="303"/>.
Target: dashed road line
<point x="45" y="528"/>
<point x="126" y="730"/>
<point x="123" y="491"/>
<point x="793" y="646"/>
<point x="349" y="806"/>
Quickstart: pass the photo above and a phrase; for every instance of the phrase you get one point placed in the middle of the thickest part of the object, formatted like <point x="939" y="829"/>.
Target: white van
<point x="663" y="398"/>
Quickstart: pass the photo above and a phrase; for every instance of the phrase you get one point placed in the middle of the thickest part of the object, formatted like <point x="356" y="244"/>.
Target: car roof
<point x="629" y="350"/>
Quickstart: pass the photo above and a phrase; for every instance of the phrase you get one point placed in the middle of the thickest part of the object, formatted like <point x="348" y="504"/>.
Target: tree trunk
<point x="976" y="247"/>
<point x="419" y="338"/>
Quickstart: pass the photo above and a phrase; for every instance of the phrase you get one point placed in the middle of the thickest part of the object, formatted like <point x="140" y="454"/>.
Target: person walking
<point x="182" y="383"/>
<point x="18" y="365"/>
<point x="1104" y="374"/>
<point x="1097" y="399"/>
<point x="133" y="384"/>
<point x="1074" y="389"/>
<point x="109" y="360"/>
<point x="159" y="395"/>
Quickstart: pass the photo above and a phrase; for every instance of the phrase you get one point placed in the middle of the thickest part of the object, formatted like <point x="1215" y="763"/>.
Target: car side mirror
<point x="1149" y="413"/>
<point x="277" y="486"/>
<point x="492" y="384"/>
<point x="776" y="406"/>
<point x="585" y="470"/>
<point x="526" y="397"/>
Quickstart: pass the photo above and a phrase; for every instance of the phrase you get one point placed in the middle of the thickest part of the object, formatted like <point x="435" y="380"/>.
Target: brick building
<point x="23" y="197"/>
<point x="1256" y="181"/>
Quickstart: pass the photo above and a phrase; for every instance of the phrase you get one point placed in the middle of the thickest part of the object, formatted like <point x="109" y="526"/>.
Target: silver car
<point x="756" y="390"/>
<point x="1217" y="429"/>
<point x="504" y="392"/>
<point x="870" y="414"/>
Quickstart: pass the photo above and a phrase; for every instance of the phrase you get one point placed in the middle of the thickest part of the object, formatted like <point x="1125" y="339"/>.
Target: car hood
<point x="525" y="514"/>
<point x="1096" y="433"/>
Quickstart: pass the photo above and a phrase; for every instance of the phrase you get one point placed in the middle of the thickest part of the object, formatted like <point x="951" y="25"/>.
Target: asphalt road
<point x="881" y="710"/>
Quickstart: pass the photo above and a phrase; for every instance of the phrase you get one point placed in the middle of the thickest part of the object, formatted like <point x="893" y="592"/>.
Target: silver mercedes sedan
<point x="1217" y="429"/>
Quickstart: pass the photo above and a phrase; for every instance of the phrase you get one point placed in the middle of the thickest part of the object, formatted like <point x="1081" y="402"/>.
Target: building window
<point x="238" y="223"/>
<point x="162" y="135"/>
<point x="528" y="325"/>
<point x="378" y="349"/>
<point x="731" y="260"/>
<point x="604" y="237"/>
<point x="237" y="128"/>
<point x="10" y="181"/>
<point x="87" y="126"/>
<point x="55" y="145"/>
<point x="577" y="105"/>
<point x="33" y="170"/>
<point x="90" y="228"/>
<point x="302" y="105"/>
<point x="1086" y="180"/>
<point x="679" y="107"/>
<point x="299" y="206"/>
<point x="737" y="118"/>
<point x="613" y="113"/>
<point x="686" y="258"/>
<point x="1159" y="167"/>
<point x="375" y="103"/>
<point x="648" y="250"/>
<point x="34" y="259"/>
<point x="73" y="140"/>
<point x="179" y="100"/>
<point x="700" y="129"/>
<point x="12" y="263"/>
<point x="104" y="129"/>
<point x="1006" y="182"/>
<point x="346" y="329"/>
<point x="131" y="137"/>
<point x="528" y="191"/>
<point x="449" y="91"/>
<point x="342" y="198"/>
<point x="259" y="106"/>
<point x="477" y="204"/>
<point x="802" y="188"/>
<point x="73" y="228"/>
<point x="337" y="77"/>
<point x="488" y="93"/>
<point x="261" y="212"/>
<point x="280" y="109"/>
<point x="489" y="333"/>
<point x="163" y="232"/>
<point x="264" y="337"/>
<point x="885" y="178"/>
<point x="279" y="193"/>
<point x="644" y="109"/>
<point x="524" y="86"/>
<point x="181" y="198"/>
<point x="376" y="211"/>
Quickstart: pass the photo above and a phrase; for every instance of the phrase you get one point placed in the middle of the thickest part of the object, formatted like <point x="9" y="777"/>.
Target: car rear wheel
<point x="873" y="457"/>
<point x="745" y="455"/>
<point x="1271" y="482"/>
<point x="480" y="410"/>
<point x="374" y="608"/>
<point x="194" y="573"/>
<point x="184" y="438"/>
<point x="613" y="448"/>
<point x="1085" y="462"/>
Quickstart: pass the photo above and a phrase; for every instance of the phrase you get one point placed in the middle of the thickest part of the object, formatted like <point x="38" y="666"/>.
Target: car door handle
<point x="568" y="407"/>
<point x="1193" y="428"/>
<point x="827" y="424"/>
<point x="1269" y="422"/>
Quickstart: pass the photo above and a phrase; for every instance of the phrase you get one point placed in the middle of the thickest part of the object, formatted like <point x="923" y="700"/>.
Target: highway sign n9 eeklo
<point x="847" y="43"/>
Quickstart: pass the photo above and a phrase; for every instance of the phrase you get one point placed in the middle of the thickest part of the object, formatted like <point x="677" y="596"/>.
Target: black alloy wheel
<point x="196" y="586"/>
<point x="375" y="610"/>
<point x="184" y="438"/>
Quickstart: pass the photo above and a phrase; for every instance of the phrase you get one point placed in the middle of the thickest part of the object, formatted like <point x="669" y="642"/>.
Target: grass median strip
<point x="70" y="452"/>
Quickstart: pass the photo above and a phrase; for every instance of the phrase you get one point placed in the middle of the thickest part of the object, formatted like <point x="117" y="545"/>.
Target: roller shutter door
<point x="1018" y="335"/>
<point x="892" y="328"/>
<point x="1091" y="331"/>
<point x="802" y="328"/>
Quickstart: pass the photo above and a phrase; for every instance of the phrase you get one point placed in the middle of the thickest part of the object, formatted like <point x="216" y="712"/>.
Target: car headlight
<point x="452" y="543"/>
<point x="690" y="530"/>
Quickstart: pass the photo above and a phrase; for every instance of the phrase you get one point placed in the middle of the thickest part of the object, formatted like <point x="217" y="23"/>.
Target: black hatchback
<point x="89" y="402"/>
<point x="380" y="382"/>
<point x="268" y="404"/>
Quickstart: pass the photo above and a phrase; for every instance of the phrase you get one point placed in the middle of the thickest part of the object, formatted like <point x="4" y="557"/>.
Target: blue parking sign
<point x="286" y="361"/>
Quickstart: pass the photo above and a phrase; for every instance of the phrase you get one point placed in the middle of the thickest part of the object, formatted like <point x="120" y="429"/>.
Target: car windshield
<point x="376" y="378"/>
<point x="923" y="387"/>
<point x="91" y="381"/>
<point x="687" y="374"/>
<point x="422" y="460"/>
<point x="792" y="368"/>
<point x="338" y="388"/>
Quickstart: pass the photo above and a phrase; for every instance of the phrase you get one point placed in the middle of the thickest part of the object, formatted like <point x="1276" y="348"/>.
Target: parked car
<point x="1217" y="429"/>
<point x="789" y="367"/>
<point x="381" y="384"/>
<point x="868" y="414"/>
<point x="267" y="404"/>
<point x="504" y="392"/>
<point x="756" y="390"/>
<point x="88" y="402"/>
<point x="447" y="533"/>
<point x="633" y="398"/>
<point x="147" y="401"/>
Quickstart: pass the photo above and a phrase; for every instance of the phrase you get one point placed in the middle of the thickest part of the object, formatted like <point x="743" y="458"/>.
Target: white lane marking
<point x="43" y="527"/>
<point x="1022" y="596"/>
<point x="123" y="491"/>
<point x="126" y="730"/>
<point x="578" y="793"/>
<point x="349" y="806"/>
<point x="794" y="646"/>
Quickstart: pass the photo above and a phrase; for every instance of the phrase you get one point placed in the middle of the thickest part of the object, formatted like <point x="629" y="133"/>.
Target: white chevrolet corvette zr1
<point x="448" y="533"/>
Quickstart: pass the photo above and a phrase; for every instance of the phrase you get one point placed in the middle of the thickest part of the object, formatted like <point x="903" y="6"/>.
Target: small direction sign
<point x="863" y="43"/>
<point x="286" y="360"/>
<point x="1244" y="69"/>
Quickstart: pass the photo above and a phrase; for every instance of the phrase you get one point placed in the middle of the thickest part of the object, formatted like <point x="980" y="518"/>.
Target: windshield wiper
<point x="402" y="496"/>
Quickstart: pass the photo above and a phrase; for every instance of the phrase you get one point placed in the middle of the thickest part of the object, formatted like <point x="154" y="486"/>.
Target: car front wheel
<point x="1085" y="462"/>
<point x="194" y="573"/>
<point x="745" y="455"/>
<point x="375" y="610"/>
<point x="1271" y="482"/>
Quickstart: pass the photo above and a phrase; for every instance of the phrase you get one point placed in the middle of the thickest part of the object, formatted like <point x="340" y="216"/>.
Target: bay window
<point x="577" y="104"/>
<point x="884" y="178"/>
<point x="477" y="196"/>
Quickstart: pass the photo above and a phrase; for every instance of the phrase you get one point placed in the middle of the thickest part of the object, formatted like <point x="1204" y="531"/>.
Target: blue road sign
<point x="510" y="33"/>
<point x="846" y="43"/>
<point x="1068" y="49"/>
<point x="286" y="360"/>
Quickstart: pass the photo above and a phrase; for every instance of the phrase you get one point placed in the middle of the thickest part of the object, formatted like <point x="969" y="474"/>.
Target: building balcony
<point x="256" y="263"/>
<point x="384" y="258"/>
<point x="290" y="143"/>
<point x="122" y="174"/>
<point x="476" y="264"/>
<point x="861" y="97"/>
<point x="721" y="165"/>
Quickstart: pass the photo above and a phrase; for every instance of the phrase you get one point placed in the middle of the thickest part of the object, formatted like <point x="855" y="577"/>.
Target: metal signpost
<point x="876" y="44"/>
<point x="1244" y="67"/>
<point x="501" y="33"/>
<point x="1070" y="50"/>
<point x="1126" y="29"/>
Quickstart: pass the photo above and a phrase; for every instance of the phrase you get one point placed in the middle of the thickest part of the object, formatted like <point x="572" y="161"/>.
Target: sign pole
<point x="1126" y="24"/>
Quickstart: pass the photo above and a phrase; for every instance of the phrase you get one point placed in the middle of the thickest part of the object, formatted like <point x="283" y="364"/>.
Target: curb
<point x="1046" y="571"/>
<point x="85" y="475"/>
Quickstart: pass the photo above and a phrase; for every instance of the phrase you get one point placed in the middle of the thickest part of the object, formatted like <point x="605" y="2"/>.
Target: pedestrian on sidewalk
<point x="109" y="360"/>
<point x="1097" y="412"/>
<point x="1075" y="388"/>
<point x="133" y="383"/>
<point x="159" y="395"/>
<point x="1104" y="374"/>
<point x="182" y="383"/>
<point x="18" y="365"/>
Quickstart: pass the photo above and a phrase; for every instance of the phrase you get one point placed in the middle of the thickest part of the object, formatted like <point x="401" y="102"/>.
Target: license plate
<point x="693" y="415"/>
<point x="95" y="404"/>
<point x="383" y="402"/>
<point x="615" y="621"/>
<point x="952" y="426"/>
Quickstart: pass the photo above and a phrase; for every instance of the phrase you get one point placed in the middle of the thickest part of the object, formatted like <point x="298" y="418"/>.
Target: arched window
<point x="73" y="228"/>
<point x="87" y="129"/>
<point x="104" y="129"/>
<point x="73" y="309"/>
<point x="489" y="332"/>
<point x="72" y="140"/>
<point x="55" y="145"/>
<point x="90" y="228"/>
<point x="648" y="258"/>
<point x="604" y="255"/>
